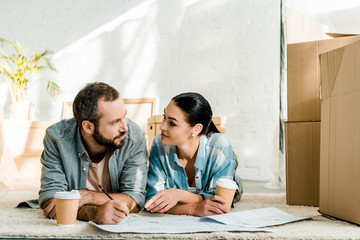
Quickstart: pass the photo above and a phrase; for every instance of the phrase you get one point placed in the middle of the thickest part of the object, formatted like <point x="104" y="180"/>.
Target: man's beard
<point x="101" y="140"/>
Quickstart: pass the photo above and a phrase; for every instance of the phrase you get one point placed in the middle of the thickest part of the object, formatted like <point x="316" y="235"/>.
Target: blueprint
<point x="178" y="224"/>
<point x="247" y="221"/>
<point x="262" y="217"/>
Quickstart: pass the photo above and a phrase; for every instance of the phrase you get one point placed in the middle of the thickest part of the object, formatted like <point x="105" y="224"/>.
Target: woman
<point x="187" y="159"/>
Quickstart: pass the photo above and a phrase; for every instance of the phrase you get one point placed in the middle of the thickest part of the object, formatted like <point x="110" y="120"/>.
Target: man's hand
<point x="211" y="206"/>
<point x="49" y="208"/>
<point x="99" y="199"/>
<point x="163" y="200"/>
<point x="111" y="212"/>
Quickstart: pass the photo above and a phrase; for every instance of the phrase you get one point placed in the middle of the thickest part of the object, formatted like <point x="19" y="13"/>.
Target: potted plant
<point x="19" y="70"/>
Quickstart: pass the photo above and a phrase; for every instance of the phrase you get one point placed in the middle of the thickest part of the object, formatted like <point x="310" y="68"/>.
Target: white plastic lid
<point x="226" y="183"/>
<point x="74" y="194"/>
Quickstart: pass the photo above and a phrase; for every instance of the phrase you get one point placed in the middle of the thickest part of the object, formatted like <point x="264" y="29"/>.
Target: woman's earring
<point x="193" y="135"/>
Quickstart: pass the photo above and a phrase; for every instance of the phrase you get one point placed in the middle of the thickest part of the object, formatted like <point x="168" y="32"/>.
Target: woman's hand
<point x="163" y="200"/>
<point x="211" y="206"/>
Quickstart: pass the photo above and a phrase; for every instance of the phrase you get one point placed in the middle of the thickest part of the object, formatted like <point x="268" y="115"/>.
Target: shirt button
<point x="197" y="177"/>
<point x="84" y="169"/>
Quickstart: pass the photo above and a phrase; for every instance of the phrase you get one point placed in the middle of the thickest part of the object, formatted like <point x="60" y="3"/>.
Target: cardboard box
<point x="220" y="123"/>
<point x="302" y="149"/>
<point x="155" y="121"/>
<point x="25" y="141"/>
<point x="340" y="133"/>
<point x="303" y="76"/>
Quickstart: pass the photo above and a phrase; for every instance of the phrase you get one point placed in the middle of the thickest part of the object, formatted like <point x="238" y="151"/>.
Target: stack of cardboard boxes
<point x="322" y="132"/>
<point x="323" y="165"/>
<point x="302" y="129"/>
<point x="340" y="132"/>
<point x="25" y="142"/>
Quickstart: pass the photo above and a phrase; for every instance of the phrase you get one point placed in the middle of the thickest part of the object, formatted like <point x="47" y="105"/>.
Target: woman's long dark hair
<point x="197" y="110"/>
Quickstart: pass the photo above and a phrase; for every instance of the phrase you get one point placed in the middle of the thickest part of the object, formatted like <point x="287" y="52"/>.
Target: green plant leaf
<point x="18" y="67"/>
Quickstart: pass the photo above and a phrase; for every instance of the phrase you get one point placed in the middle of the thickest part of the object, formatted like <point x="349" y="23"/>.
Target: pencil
<point x="105" y="191"/>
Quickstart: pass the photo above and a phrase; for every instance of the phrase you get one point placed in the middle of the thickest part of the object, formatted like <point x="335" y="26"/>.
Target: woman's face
<point x="175" y="130"/>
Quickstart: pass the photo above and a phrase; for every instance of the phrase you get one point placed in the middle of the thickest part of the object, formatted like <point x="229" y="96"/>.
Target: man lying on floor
<point x="99" y="146"/>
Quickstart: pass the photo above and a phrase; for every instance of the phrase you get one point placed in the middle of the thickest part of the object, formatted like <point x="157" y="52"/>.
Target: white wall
<point x="340" y="16"/>
<point x="228" y="50"/>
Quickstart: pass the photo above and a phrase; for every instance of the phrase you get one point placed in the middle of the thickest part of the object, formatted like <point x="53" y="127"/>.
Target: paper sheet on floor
<point x="263" y="217"/>
<point x="248" y="221"/>
<point x="173" y="224"/>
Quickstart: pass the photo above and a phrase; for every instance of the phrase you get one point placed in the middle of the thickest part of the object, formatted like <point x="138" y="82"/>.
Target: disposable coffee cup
<point x="226" y="188"/>
<point x="67" y="204"/>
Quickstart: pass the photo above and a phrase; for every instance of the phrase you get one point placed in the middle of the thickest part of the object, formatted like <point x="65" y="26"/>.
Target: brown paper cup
<point x="226" y="188"/>
<point x="67" y="204"/>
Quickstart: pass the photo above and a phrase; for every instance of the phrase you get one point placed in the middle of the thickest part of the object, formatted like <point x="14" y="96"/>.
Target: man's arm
<point x="53" y="177"/>
<point x="49" y="208"/>
<point x="111" y="212"/>
<point x="99" y="198"/>
<point x="97" y="207"/>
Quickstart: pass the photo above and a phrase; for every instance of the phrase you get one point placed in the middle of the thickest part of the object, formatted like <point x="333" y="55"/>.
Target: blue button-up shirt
<point x="65" y="162"/>
<point x="214" y="160"/>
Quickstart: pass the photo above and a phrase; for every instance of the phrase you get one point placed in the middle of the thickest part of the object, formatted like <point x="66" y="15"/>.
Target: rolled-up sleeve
<point x="134" y="173"/>
<point x="52" y="173"/>
<point x="223" y="167"/>
<point x="156" y="175"/>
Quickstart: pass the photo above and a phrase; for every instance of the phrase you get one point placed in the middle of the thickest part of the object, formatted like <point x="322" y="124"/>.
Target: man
<point x="99" y="146"/>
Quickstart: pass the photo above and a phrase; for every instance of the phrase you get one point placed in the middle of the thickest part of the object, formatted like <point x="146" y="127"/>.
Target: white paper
<point x="263" y="217"/>
<point x="175" y="224"/>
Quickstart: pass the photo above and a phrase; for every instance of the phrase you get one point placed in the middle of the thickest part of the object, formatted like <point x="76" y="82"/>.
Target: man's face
<point x="111" y="129"/>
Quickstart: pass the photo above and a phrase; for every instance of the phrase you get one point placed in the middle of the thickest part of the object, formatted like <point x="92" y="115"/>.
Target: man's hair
<point x="85" y="105"/>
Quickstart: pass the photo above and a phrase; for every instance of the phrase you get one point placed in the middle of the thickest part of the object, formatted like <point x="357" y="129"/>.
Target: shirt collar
<point x="80" y="146"/>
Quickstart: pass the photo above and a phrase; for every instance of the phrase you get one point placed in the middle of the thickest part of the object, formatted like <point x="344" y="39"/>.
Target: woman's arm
<point x="156" y="173"/>
<point x="168" y="201"/>
<point x="164" y="200"/>
<point x="210" y="206"/>
<point x="221" y="163"/>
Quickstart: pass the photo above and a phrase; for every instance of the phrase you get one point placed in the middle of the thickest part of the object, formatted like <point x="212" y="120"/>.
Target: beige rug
<point x="31" y="223"/>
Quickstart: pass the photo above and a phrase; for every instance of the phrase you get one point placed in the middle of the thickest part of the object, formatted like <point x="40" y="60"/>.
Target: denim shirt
<point x="214" y="160"/>
<point x="65" y="162"/>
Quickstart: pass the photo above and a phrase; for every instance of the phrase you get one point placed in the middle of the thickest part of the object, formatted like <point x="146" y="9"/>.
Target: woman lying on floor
<point x="187" y="159"/>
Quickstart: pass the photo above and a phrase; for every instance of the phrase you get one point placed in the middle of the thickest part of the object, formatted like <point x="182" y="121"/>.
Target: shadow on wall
<point x="145" y="52"/>
<point x="121" y="52"/>
<point x="162" y="48"/>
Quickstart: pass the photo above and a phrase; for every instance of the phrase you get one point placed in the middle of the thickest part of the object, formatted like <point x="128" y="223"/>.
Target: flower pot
<point x="20" y="110"/>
